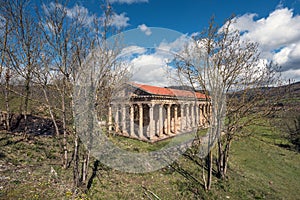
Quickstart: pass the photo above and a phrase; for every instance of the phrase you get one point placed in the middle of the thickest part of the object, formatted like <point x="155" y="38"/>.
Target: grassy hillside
<point x="259" y="169"/>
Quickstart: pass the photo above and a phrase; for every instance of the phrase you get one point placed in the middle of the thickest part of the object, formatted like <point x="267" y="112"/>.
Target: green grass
<point x="25" y="168"/>
<point x="14" y="102"/>
<point x="135" y="145"/>
<point x="264" y="170"/>
<point x="259" y="169"/>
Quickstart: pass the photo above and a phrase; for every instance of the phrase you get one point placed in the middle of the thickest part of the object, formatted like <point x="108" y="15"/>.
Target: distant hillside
<point x="181" y="87"/>
<point x="288" y="95"/>
<point x="293" y="89"/>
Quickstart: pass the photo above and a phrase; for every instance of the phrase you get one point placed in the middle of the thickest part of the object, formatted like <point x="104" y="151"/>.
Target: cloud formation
<point x="292" y="74"/>
<point x="152" y="66"/>
<point x="128" y="1"/>
<point x="81" y="14"/>
<point x="119" y="20"/>
<point x="133" y="50"/>
<point x="145" y="29"/>
<point x="150" y="69"/>
<point x="278" y="36"/>
<point x="77" y="13"/>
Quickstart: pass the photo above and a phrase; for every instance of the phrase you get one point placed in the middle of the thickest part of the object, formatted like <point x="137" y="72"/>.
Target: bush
<point x="294" y="132"/>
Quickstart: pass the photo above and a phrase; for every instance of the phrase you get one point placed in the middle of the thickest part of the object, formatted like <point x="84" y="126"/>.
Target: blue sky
<point x="274" y="24"/>
<point x="188" y="16"/>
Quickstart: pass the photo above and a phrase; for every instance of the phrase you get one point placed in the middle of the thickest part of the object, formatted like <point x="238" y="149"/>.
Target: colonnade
<point x="157" y="120"/>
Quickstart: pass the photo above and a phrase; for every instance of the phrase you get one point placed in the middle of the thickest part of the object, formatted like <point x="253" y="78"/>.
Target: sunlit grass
<point x="136" y="145"/>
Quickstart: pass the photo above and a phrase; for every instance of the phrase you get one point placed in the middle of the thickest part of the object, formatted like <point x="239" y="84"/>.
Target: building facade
<point x="151" y="113"/>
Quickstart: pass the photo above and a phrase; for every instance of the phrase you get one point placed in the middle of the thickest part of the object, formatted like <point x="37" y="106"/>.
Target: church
<point x="152" y="113"/>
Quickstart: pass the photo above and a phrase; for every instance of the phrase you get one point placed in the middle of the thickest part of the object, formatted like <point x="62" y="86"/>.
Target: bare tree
<point x="47" y="49"/>
<point x="230" y="69"/>
<point x="69" y="38"/>
<point x="105" y="74"/>
<point x="22" y="49"/>
<point x="4" y="65"/>
<point x="66" y="44"/>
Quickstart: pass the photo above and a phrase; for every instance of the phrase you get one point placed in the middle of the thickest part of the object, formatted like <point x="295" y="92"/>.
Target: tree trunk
<point x="7" y="78"/>
<point x="220" y="159"/>
<point x="50" y="111"/>
<point x="209" y="170"/>
<point x="76" y="176"/>
<point x="64" y="119"/>
<point x="85" y="167"/>
<point x="57" y="134"/>
<point x="223" y="157"/>
<point x="226" y="158"/>
<point x="6" y="94"/>
<point x="26" y="102"/>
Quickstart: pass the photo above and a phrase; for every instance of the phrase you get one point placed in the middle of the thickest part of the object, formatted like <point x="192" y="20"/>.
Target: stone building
<point x="153" y="113"/>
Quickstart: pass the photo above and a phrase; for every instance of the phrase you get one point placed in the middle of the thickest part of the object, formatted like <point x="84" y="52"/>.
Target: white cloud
<point x="81" y="14"/>
<point x="195" y="34"/>
<point x="73" y="12"/>
<point x="288" y="57"/>
<point x="245" y="22"/>
<point x="128" y="1"/>
<point x="77" y="13"/>
<point x="153" y="67"/>
<point x="52" y="7"/>
<point x="150" y="69"/>
<point x="177" y="45"/>
<point x="147" y="66"/>
<point x="119" y="20"/>
<point x="278" y="29"/>
<point x="145" y="29"/>
<point x="278" y="35"/>
<point x="293" y="75"/>
<point x="133" y="50"/>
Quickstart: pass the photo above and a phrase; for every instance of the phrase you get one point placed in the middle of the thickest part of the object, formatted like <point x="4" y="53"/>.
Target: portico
<point x="153" y="113"/>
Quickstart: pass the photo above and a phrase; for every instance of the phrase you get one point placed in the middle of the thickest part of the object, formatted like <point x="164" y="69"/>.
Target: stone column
<point x="168" y="119"/>
<point x="151" y="121"/>
<point x="161" y="122"/>
<point x="187" y="116"/>
<point x="131" y="120"/>
<point x="197" y="115"/>
<point x="109" y="118"/>
<point x="124" y="131"/>
<point x="175" y="119"/>
<point x="141" y="119"/>
<point x="193" y="116"/>
<point x="181" y="114"/>
<point x="207" y="113"/>
<point x="210" y="112"/>
<point x="117" y="118"/>
<point x="204" y="114"/>
<point x="201" y="114"/>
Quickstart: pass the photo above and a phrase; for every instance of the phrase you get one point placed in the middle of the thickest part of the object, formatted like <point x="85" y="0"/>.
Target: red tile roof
<point x="154" y="90"/>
